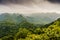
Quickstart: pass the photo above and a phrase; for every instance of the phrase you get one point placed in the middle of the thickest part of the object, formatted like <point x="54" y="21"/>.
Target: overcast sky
<point x="29" y="6"/>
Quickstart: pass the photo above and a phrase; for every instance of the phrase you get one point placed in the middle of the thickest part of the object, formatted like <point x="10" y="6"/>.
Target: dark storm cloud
<point x="15" y="1"/>
<point x="28" y="1"/>
<point x="0" y="1"/>
<point x="54" y="1"/>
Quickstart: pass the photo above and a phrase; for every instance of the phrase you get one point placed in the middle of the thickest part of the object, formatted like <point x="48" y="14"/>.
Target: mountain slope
<point x="38" y="18"/>
<point x="56" y="23"/>
<point x="42" y="18"/>
<point x="12" y="17"/>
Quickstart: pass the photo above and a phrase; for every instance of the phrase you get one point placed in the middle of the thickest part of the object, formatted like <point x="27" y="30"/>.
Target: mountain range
<point x="43" y="18"/>
<point x="36" y="18"/>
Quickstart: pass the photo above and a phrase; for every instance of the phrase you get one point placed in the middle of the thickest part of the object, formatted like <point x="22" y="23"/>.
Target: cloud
<point x="15" y="1"/>
<point x="21" y="1"/>
<point x="0" y="1"/>
<point x="27" y="1"/>
<point x="54" y="1"/>
<point x="28" y="6"/>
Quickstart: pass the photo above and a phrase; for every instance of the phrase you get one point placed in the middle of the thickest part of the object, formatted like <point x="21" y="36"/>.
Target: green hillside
<point x="11" y="29"/>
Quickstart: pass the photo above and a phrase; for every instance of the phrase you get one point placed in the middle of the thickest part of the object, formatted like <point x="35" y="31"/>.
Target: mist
<point x="29" y="6"/>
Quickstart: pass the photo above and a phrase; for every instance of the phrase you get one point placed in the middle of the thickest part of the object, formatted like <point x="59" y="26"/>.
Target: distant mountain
<point x="12" y="17"/>
<point x="37" y="18"/>
<point x="42" y="18"/>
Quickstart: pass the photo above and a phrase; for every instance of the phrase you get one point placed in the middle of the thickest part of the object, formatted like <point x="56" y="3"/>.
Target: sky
<point x="29" y="6"/>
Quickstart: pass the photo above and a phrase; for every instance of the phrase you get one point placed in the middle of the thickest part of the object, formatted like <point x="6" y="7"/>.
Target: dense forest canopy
<point x="17" y="27"/>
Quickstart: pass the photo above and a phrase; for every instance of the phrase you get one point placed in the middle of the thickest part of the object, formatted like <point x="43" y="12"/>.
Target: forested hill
<point x="55" y="23"/>
<point x="17" y="18"/>
<point x="24" y="30"/>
